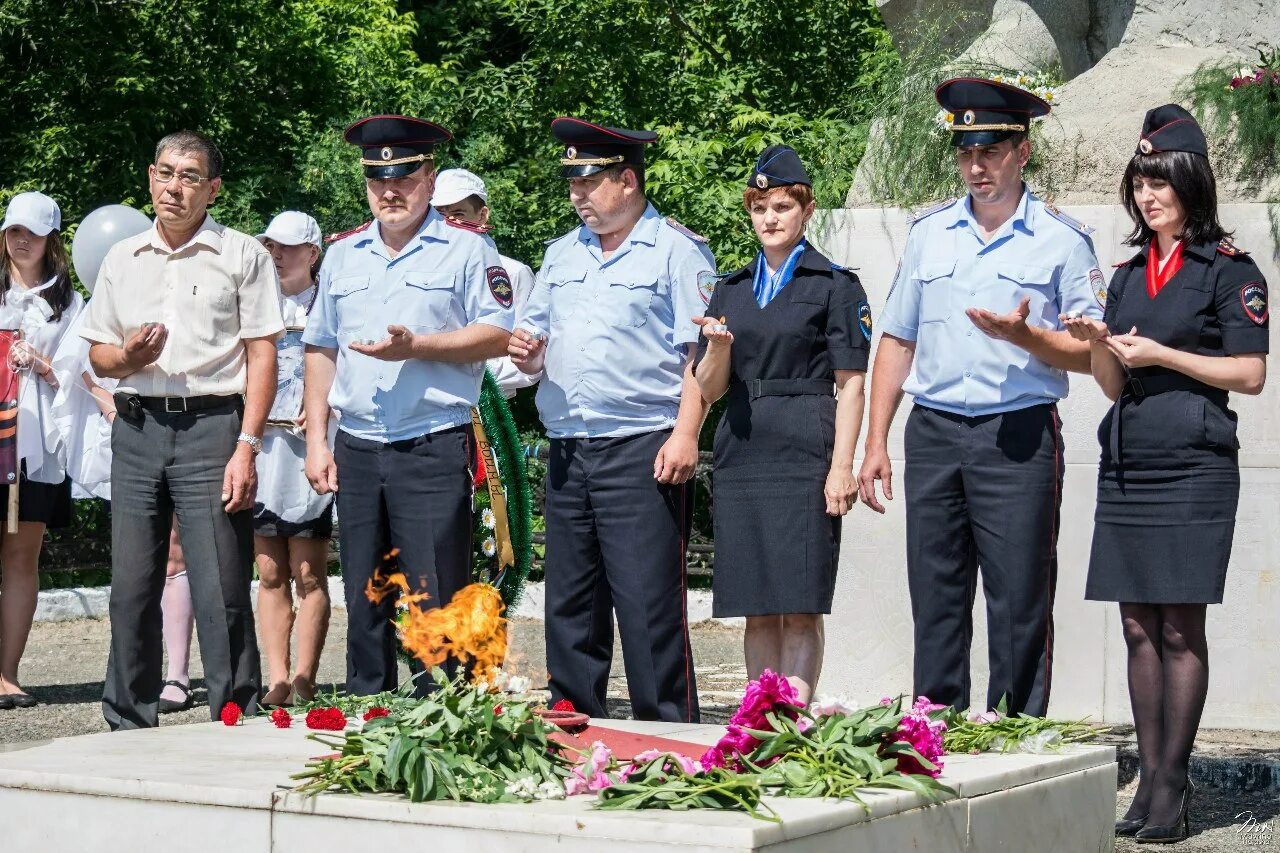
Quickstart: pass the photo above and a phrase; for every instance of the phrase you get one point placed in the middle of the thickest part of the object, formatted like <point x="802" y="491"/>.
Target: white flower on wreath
<point x="488" y="519"/>
<point x="489" y="546"/>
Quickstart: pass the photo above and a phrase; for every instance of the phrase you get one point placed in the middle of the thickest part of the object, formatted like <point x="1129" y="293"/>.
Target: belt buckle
<point x="172" y="411"/>
<point x="1136" y="389"/>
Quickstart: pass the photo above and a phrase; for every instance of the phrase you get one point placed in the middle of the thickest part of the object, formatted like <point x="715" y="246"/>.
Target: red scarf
<point x="1157" y="278"/>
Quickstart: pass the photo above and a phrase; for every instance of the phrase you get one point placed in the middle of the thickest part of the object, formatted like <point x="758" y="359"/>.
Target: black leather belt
<point x="1138" y="387"/>
<point x="788" y="387"/>
<point x="135" y="404"/>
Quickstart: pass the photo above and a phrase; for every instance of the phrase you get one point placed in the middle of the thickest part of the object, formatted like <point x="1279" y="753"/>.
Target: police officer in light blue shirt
<point x="971" y="330"/>
<point x="611" y="321"/>
<point x="408" y="308"/>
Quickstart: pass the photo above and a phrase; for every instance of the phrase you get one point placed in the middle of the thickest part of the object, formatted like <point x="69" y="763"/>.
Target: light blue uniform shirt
<point x="618" y="329"/>
<point x="947" y="267"/>
<point x="439" y="282"/>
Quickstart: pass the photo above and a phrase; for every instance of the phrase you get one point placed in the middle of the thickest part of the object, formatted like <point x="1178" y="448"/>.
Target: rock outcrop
<point x="1119" y="57"/>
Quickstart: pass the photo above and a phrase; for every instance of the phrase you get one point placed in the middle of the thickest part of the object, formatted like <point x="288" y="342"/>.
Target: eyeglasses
<point x="163" y="175"/>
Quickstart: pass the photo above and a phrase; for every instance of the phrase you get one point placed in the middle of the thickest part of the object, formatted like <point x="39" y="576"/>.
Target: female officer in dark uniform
<point x="1185" y="323"/>
<point x="780" y="336"/>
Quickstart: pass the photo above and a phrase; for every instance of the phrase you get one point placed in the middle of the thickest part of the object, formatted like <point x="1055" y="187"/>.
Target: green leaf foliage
<point x="88" y="88"/>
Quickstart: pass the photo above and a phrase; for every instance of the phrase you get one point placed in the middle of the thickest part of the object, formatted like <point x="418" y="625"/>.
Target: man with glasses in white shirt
<point x="185" y="316"/>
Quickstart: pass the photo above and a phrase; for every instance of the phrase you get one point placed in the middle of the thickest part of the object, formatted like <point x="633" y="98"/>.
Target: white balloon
<point x="98" y="232"/>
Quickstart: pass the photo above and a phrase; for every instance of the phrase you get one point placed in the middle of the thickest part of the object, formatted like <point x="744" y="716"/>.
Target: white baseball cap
<point x="453" y="185"/>
<point x="36" y="212"/>
<point x="293" y="228"/>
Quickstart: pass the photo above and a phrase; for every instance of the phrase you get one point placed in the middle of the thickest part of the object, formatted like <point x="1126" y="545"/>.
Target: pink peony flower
<point x="684" y="762"/>
<point x="592" y="774"/>
<point x="985" y="717"/>
<point x="924" y="735"/>
<point x="770" y="692"/>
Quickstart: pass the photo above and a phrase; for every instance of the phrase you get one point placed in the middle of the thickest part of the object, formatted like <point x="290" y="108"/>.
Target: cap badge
<point x="969" y="117"/>
<point x="761" y="180"/>
<point x="1144" y="145"/>
<point x="570" y="153"/>
<point x="387" y="153"/>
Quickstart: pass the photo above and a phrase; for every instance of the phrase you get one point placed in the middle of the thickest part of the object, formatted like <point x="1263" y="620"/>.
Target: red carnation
<point x="281" y="718"/>
<point x="230" y="714"/>
<point x="374" y="713"/>
<point x="497" y="710"/>
<point x="326" y="719"/>
<point x="564" y="705"/>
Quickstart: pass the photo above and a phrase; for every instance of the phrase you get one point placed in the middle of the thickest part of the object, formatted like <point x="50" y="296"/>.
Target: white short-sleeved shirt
<point x="212" y="293"/>
<point x="444" y="279"/>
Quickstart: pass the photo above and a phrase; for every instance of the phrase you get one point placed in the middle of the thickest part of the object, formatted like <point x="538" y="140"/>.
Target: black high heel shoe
<point x="1176" y="831"/>
<point x="1130" y="826"/>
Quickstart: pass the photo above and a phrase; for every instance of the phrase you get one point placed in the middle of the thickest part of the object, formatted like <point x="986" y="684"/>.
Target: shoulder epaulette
<point x="1231" y="250"/>
<point x="929" y="211"/>
<point x="1069" y="221"/>
<point x="342" y="235"/>
<point x="683" y="229"/>
<point x="466" y="225"/>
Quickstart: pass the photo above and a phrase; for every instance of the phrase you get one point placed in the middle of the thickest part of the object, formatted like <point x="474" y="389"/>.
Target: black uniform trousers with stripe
<point x="403" y="506"/>
<point x="984" y="493"/>
<point x="616" y="542"/>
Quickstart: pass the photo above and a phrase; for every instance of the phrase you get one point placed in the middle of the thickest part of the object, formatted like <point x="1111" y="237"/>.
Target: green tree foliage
<point x="87" y="88"/>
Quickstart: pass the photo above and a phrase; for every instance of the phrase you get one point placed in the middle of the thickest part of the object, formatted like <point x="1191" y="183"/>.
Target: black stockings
<point x="1168" y="680"/>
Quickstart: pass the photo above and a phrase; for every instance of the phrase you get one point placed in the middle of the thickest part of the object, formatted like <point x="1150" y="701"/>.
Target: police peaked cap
<point x="395" y="146"/>
<point x="591" y="148"/>
<point x="1171" y="128"/>
<point x="778" y="166"/>
<point x="985" y="112"/>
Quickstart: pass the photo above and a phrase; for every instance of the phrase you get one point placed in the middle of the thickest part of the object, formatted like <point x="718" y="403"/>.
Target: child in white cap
<point x="291" y="523"/>
<point x="461" y="195"/>
<point x="36" y="299"/>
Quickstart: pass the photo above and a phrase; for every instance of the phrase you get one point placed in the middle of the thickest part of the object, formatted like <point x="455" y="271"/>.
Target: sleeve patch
<point x="1098" y="285"/>
<point x="707" y="285"/>
<point x="864" y="320"/>
<point x="500" y="285"/>
<point x="1253" y="296"/>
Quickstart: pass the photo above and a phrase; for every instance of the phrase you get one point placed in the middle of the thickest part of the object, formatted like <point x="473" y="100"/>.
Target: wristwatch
<point x="255" y="443"/>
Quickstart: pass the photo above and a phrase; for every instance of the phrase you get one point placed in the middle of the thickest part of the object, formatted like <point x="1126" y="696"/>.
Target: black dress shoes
<point x="1170" y="833"/>
<point x="1130" y="826"/>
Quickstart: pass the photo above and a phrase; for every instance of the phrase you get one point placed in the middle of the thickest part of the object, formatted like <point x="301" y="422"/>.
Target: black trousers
<point x="166" y="465"/>
<point x="402" y="506"/>
<point x="616" y="542"/>
<point x="984" y="492"/>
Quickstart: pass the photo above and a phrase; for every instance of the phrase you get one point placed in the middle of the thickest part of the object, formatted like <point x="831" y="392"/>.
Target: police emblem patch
<point x="1098" y="284"/>
<point x="1253" y="296"/>
<point x="570" y="153"/>
<point x="864" y="319"/>
<point x="387" y="153"/>
<point x="1144" y="145"/>
<point x="707" y="285"/>
<point x="969" y="117"/>
<point x="500" y="285"/>
<point x="762" y="181"/>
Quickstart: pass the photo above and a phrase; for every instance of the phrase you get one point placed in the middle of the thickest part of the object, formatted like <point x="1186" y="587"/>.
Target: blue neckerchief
<point x="766" y="287"/>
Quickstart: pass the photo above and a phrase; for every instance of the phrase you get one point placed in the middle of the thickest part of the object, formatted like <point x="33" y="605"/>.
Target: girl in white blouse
<point x="37" y="299"/>
<point x="291" y="523"/>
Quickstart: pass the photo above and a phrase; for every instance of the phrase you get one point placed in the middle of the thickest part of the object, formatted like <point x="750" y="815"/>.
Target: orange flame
<point x="469" y="628"/>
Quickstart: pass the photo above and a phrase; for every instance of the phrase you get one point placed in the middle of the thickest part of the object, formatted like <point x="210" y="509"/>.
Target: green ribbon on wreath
<point x="508" y="488"/>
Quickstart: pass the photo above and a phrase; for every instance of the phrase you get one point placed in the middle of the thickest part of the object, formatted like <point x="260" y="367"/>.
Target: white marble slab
<point x="183" y="781"/>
